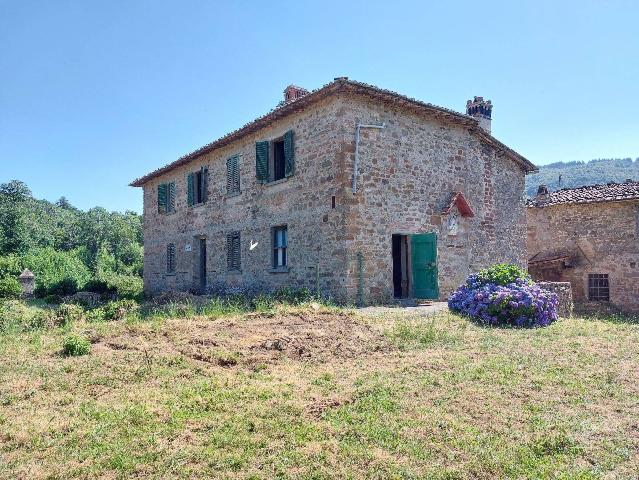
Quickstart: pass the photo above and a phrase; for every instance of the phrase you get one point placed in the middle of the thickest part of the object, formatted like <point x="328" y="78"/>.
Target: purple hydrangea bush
<point x="519" y="302"/>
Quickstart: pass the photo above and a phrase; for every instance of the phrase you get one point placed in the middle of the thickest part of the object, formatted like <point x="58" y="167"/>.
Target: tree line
<point x="67" y="248"/>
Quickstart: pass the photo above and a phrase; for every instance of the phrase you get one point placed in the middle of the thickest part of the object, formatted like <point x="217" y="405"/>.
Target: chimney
<point x="293" y="92"/>
<point x="542" y="190"/>
<point x="482" y="110"/>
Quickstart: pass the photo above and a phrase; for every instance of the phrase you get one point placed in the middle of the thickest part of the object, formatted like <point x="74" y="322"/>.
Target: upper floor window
<point x="233" y="175"/>
<point x="280" y="245"/>
<point x="275" y="160"/>
<point x="166" y="197"/>
<point x="598" y="287"/>
<point x="197" y="185"/>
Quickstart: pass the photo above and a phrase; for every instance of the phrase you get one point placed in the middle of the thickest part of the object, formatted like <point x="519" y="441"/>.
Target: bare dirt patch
<point x="256" y="339"/>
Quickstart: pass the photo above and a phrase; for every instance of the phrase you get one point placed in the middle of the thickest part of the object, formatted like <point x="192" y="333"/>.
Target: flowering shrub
<point x="519" y="303"/>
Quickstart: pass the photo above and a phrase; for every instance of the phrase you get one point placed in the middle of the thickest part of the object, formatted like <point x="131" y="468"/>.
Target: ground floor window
<point x="280" y="245"/>
<point x="170" y="258"/>
<point x="598" y="287"/>
<point x="233" y="259"/>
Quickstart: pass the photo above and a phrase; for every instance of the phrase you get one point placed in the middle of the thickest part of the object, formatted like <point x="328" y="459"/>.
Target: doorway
<point x="415" y="266"/>
<point x="401" y="266"/>
<point x="202" y="265"/>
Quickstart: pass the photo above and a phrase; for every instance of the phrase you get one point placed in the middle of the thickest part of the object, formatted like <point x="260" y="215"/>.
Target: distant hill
<point x="577" y="174"/>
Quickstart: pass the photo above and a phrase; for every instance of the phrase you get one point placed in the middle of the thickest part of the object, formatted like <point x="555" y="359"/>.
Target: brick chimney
<point x="482" y="110"/>
<point x="293" y="92"/>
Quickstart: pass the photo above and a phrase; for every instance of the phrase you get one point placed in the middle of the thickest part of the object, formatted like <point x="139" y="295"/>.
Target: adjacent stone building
<point x="588" y="236"/>
<point x="358" y="192"/>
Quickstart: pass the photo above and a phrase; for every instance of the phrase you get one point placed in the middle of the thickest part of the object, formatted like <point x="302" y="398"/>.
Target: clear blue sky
<point x="96" y="93"/>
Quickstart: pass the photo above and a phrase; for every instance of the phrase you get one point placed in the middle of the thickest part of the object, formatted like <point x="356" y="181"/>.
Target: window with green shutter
<point x="233" y="175"/>
<point x="162" y="194"/>
<point x="261" y="161"/>
<point x="170" y="258"/>
<point x="233" y="259"/>
<point x="197" y="186"/>
<point x="275" y="160"/>
<point x="166" y="198"/>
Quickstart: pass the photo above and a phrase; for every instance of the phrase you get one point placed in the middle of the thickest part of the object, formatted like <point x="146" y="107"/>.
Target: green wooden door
<point x="424" y="265"/>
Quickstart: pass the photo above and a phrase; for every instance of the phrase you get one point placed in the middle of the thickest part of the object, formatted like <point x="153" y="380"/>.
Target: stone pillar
<point x="27" y="280"/>
<point x="564" y="292"/>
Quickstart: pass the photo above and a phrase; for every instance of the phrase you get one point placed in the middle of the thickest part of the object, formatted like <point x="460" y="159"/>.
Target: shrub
<point x="57" y="272"/>
<point x="53" y="299"/>
<point x="10" y="288"/>
<point x="67" y="313"/>
<point x="118" y="310"/>
<point x="124" y="286"/>
<point x="98" y="286"/>
<point x="294" y="296"/>
<point x="503" y="274"/>
<point x="519" y="303"/>
<point x="75" y="345"/>
<point x="14" y="314"/>
<point x="10" y="266"/>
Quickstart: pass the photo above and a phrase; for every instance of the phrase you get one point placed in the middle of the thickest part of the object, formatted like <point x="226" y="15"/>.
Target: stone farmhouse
<point x="350" y="190"/>
<point x="588" y="236"/>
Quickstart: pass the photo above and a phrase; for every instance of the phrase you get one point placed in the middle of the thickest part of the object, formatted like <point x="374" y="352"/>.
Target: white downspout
<point x="356" y="166"/>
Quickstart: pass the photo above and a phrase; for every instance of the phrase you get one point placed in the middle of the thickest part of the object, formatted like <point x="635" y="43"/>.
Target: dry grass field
<point x="315" y="392"/>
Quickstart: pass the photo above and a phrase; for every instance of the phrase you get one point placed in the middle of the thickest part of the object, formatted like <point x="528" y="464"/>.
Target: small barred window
<point x="598" y="287"/>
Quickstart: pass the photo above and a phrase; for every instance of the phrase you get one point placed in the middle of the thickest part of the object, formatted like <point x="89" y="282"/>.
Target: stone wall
<point x="564" y="295"/>
<point x="409" y="171"/>
<point x="605" y="240"/>
<point x="303" y="202"/>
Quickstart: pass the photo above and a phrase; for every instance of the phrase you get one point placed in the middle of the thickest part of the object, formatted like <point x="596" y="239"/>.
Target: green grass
<point x="446" y="399"/>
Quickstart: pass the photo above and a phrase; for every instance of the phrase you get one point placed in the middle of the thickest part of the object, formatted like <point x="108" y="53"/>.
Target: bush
<point x="293" y="296"/>
<point x="13" y="314"/>
<point x="10" y="288"/>
<point x="57" y="272"/>
<point x="503" y="274"/>
<point x="53" y="299"/>
<point x="75" y="345"/>
<point x="10" y="266"/>
<point x="124" y="286"/>
<point x="67" y="313"/>
<point x="99" y="286"/>
<point x="118" y="310"/>
<point x="519" y="303"/>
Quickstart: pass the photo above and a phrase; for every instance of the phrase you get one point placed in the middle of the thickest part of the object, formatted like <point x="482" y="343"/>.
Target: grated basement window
<point x="233" y="259"/>
<point x="170" y="258"/>
<point x="598" y="287"/>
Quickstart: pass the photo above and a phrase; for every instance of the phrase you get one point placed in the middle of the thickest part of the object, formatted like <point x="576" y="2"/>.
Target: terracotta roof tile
<point x="611" y="192"/>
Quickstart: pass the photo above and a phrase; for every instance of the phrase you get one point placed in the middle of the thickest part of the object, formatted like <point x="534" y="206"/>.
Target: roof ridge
<point x="285" y="108"/>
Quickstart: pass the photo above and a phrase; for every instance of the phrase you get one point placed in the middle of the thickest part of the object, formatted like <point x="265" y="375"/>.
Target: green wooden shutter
<point x="233" y="175"/>
<point x="171" y="197"/>
<point x="289" y="154"/>
<point x="190" y="187"/>
<point x="261" y="161"/>
<point x="204" y="186"/>
<point x="162" y="198"/>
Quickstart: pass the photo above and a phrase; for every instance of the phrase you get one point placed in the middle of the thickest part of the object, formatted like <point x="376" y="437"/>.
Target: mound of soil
<point x="257" y="339"/>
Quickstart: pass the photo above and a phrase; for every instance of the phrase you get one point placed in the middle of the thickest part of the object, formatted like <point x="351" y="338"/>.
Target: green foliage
<point x="120" y="309"/>
<point x="68" y="313"/>
<point x="125" y="286"/>
<point x="10" y="288"/>
<point x="50" y="239"/>
<point x="10" y="266"/>
<point x="57" y="272"/>
<point x="577" y="174"/>
<point x="502" y="274"/>
<point x="293" y="296"/>
<point x="75" y="345"/>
